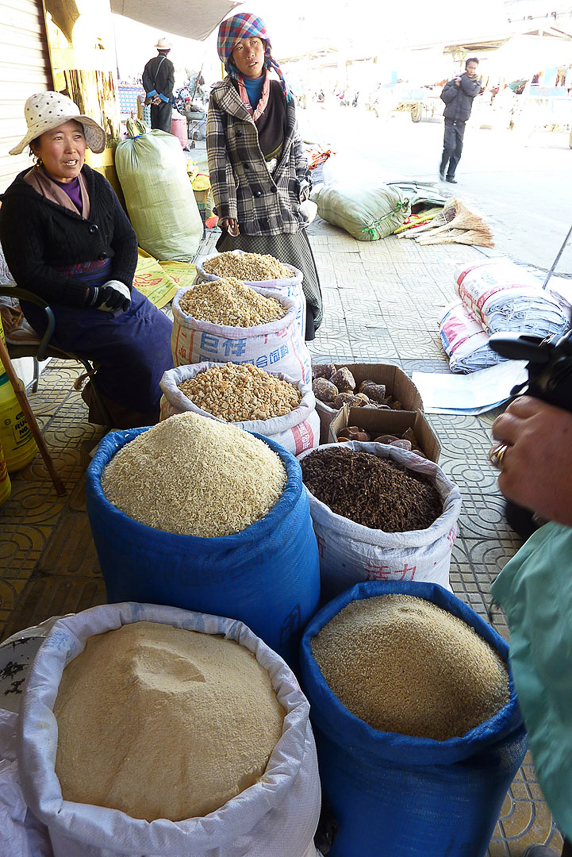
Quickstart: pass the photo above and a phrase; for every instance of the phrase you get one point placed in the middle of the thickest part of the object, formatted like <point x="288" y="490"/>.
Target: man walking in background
<point x="458" y="95"/>
<point x="158" y="82"/>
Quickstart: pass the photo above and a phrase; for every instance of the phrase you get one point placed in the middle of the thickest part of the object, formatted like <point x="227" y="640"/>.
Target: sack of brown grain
<point x="392" y="793"/>
<point x="275" y="817"/>
<point x="275" y="345"/>
<point x="352" y="552"/>
<point x="249" y="398"/>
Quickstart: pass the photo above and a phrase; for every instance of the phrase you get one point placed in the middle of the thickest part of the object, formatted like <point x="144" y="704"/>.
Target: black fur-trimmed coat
<point x="242" y="186"/>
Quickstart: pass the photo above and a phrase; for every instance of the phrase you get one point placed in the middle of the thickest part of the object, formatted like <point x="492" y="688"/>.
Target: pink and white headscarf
<point x="239" y="27"/>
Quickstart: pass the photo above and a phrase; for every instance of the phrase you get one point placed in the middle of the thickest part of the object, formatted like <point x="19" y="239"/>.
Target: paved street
<point x="522" y="186"/>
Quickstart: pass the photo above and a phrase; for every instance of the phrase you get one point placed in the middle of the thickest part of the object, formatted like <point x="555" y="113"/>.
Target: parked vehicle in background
<point x="543" y="108"/>
<point x="422" y="103"/>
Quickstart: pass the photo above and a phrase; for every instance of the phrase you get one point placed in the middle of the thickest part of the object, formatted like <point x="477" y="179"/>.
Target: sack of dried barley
<point x="393" y="793"/>
<point x="253" y="406"/>
<point x="276" y="816"/>
<point x="275" y="345"/>
<point x="259" y="272"/>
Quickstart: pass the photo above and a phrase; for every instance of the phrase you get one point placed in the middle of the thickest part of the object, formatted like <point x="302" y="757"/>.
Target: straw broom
<point x="446" y="215"/>
<point x="481" y="237"/>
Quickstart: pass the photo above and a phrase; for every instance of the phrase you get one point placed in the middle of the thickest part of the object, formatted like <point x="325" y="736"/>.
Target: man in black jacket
<point x="458" y="96"/>
<point x="158" y="82"/>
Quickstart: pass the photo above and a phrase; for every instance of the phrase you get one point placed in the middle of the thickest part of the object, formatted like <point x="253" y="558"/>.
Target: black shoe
<point x="451" y="180"/>
<point x="442" y="175"/>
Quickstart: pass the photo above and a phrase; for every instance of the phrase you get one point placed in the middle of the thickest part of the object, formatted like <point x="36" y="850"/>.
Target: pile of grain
<point x="405" y="665"/>
<point x="241" y="392"/>
<point x="251" y="267"/>
<point x="230" y="303"/>
<point x="160" y="722"/>
<point x="194" y="476"/>
<point x="375" y="492"/>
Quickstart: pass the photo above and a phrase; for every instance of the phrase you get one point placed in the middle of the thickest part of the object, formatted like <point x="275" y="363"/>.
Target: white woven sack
<point x="276" y="346"/>
<point x="351" y="553"/>
<point x="507" y="298"/>
<point x="297" y="431"/>
<point x="291" y="288"/>
<point x="465" y="341"/>
<point x="276" y="817"/>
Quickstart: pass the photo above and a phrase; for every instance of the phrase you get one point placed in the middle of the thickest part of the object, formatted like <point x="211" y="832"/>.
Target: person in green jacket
<point x="534" y="455"/>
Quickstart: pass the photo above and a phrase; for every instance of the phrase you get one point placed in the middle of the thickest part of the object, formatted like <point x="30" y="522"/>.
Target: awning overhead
<point x="193" y="19"/>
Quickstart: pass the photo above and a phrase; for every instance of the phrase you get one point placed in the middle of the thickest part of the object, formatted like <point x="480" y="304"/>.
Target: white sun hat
<point x="48" y="110"/>
<point x="163" y="44"/>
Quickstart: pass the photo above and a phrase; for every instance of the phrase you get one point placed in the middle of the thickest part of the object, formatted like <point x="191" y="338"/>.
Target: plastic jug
<point x="15" y="436"/>
<point x="3" y="338"/>
<point x="5" y="484"/>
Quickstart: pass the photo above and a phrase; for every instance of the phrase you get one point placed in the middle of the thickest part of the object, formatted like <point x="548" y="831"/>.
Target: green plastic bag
<point x="152" y="170"/>
<point x="367" y="213"/>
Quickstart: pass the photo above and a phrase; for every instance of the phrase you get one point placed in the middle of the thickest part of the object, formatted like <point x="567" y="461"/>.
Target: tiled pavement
<point x="382" y="301"/>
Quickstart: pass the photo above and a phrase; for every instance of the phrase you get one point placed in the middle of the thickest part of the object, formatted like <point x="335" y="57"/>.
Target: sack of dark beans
<point x="379" y="513"/>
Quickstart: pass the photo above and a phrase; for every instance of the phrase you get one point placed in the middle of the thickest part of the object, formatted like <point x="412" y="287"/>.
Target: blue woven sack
<point x="393" y="794"/>
<point x="267" y="576"/>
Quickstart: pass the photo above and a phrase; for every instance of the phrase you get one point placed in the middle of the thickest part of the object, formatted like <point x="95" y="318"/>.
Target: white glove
<point x="110" y="296"/>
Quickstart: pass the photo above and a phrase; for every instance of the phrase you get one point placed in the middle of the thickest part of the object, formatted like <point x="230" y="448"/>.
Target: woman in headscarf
<point x="258" y="174"/>
<point x="67" y="239"/>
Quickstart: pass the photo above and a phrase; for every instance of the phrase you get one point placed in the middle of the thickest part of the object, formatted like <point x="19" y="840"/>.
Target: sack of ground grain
<point x="368" y="212"/>
<point x="240" y="334"/>
<point x="202" y="515"/>
<point x="145" y="724"/>
<point x="507" y="298"/>
<point x="254" y="400"/>
<point x="392" y="793"/>
<point x="465" y="341"/>
<point x="397" y="530"/>
<point x="265" y="272"/>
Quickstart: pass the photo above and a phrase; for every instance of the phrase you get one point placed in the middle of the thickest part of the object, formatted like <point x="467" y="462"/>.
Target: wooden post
<point x="34" y="427"/>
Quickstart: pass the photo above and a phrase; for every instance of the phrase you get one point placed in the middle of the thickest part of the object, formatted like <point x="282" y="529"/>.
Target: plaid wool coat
<point x="242" y="187"/>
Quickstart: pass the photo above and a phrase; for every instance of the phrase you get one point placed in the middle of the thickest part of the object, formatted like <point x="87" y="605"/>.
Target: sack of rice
<point x="416" y="720"/>
<point x="271" y="405"/>
<point x="225" y="320"/>
<point x="153" y="730"/>
<point x="197" y="513"/>
<point x="402" y="528"/>
<point x="258" y="271"/>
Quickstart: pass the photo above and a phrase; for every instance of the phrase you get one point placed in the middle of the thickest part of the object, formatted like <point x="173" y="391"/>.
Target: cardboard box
<point x="387" y="422"/>
<point x="398" y="384"/>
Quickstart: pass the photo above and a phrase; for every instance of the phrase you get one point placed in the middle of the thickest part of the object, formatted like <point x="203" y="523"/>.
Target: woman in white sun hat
<point x="67" y="239"/>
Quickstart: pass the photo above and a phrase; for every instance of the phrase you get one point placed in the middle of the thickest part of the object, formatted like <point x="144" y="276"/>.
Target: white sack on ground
<point x="275" y="347"/>
<point x="297" y="431"/>
<point x="276" y="817"/>
<point x="290" y="288"/>
<point x="351" y="553"/>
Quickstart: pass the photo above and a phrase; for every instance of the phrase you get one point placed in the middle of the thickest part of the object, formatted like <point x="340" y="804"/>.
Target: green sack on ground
<point x="367" y="213"/>
<point x="152" y="170"/>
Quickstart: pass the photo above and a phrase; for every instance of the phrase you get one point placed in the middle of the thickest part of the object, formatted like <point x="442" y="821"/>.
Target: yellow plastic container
<point x="5" y="484"/>
<point x="15" y="436"/>
<point x="3" y="338"/>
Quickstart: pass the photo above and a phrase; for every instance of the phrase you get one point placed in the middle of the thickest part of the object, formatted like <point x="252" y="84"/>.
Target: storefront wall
<point x="24" y="69"/>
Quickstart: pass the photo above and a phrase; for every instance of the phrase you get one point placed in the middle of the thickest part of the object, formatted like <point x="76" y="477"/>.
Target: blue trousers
<point x="132" y="349"/>
<point x="452" y="147"/>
